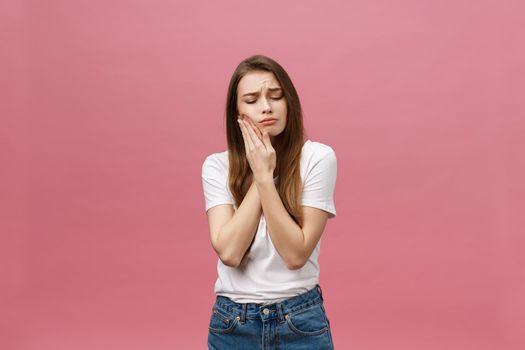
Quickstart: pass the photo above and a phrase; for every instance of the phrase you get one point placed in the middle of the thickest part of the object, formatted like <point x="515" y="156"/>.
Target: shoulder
<point x="218" y="161"/>
<point x="314" y="150"/>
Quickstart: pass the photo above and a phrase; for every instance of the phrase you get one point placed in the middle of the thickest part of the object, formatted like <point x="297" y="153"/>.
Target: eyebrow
<point x="257" y="92"/>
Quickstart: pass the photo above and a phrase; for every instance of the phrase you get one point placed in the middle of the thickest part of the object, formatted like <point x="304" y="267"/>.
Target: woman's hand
<point x="259" y="151"/>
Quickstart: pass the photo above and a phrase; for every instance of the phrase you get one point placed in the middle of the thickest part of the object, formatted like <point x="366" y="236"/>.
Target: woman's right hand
<point x="259" y="151"/>
<point x="252" y="125"/>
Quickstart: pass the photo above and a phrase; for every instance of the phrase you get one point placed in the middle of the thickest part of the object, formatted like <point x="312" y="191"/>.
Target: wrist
<point x="264" y="180"/>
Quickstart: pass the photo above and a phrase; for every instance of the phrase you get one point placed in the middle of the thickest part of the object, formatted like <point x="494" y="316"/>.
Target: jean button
<point x="266" y="311"/>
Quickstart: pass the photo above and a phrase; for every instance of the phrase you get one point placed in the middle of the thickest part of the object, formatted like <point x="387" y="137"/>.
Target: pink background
<point x="108" y="109"/>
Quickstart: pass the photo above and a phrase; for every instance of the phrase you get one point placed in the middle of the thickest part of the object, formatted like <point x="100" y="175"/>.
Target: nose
<point x="266" y="106"/>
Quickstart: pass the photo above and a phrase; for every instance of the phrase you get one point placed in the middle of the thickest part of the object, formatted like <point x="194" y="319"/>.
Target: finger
<point x="250" y="135"/>
<point x="246" y="129"/>
<point x="252" y="125"/>
<point x="244" y="136"/>
<point x="251" y="131"/>
<point x="247" y="137"/>
<point x="255" y="128"/>
<point x="266" y="140"/>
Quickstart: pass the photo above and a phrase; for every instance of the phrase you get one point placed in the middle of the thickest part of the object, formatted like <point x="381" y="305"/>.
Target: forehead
<point x="256" y="80"/>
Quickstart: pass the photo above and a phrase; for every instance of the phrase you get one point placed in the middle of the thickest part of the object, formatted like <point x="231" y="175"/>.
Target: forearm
<point x="286" y="235"/>
<point x="237" y="234"/>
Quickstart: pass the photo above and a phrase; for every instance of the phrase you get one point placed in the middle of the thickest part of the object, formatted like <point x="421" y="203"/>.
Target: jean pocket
<point x="309" y="321"/>
<point x="222" y="322"/>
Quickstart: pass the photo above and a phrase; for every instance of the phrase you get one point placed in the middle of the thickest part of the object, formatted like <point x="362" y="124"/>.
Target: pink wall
<point x="108" y="109"/>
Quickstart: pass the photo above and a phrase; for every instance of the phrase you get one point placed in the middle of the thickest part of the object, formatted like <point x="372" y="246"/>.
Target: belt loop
<point x="243" y="313"/>
<point x="320" y="291"/>
<point x="280" y="311"/>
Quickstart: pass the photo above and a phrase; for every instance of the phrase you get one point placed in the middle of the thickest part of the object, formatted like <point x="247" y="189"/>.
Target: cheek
<point x="243" y="109"/>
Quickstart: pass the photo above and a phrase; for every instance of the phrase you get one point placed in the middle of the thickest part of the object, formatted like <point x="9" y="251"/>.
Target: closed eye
<point x="273" y="98"/>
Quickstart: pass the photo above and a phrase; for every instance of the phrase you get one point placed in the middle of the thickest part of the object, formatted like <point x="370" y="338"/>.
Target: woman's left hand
<point x="259" y="151"/>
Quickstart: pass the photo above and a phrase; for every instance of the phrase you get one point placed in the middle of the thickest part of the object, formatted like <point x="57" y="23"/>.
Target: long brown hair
<point x="290" y="141"/>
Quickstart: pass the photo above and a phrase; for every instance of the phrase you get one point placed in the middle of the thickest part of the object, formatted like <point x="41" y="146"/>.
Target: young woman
<point x="268" y="198"/>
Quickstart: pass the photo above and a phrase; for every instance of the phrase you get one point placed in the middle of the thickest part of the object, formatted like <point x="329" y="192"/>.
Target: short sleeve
<point x="319" y="184"/>
<point x="215" y="183"/>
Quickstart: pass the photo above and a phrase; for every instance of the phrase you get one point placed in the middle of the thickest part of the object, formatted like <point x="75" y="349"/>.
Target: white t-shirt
<point x="265" y="278"/>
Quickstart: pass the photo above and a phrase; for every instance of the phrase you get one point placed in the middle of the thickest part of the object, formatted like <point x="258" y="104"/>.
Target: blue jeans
<point x="299" y="322"/>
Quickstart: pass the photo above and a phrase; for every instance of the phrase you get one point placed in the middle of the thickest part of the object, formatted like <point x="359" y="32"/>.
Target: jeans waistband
<point x="280" y="309"/>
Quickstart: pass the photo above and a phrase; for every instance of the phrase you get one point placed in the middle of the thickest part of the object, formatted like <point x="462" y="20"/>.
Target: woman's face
<point x="259" y="96"/>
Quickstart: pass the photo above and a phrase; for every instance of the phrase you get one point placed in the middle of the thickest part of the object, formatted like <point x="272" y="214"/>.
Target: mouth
<point x="268" y="120"/>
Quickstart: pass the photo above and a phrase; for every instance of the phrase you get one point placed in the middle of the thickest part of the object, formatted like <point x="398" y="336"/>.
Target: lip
<point x="268" y="120"/>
